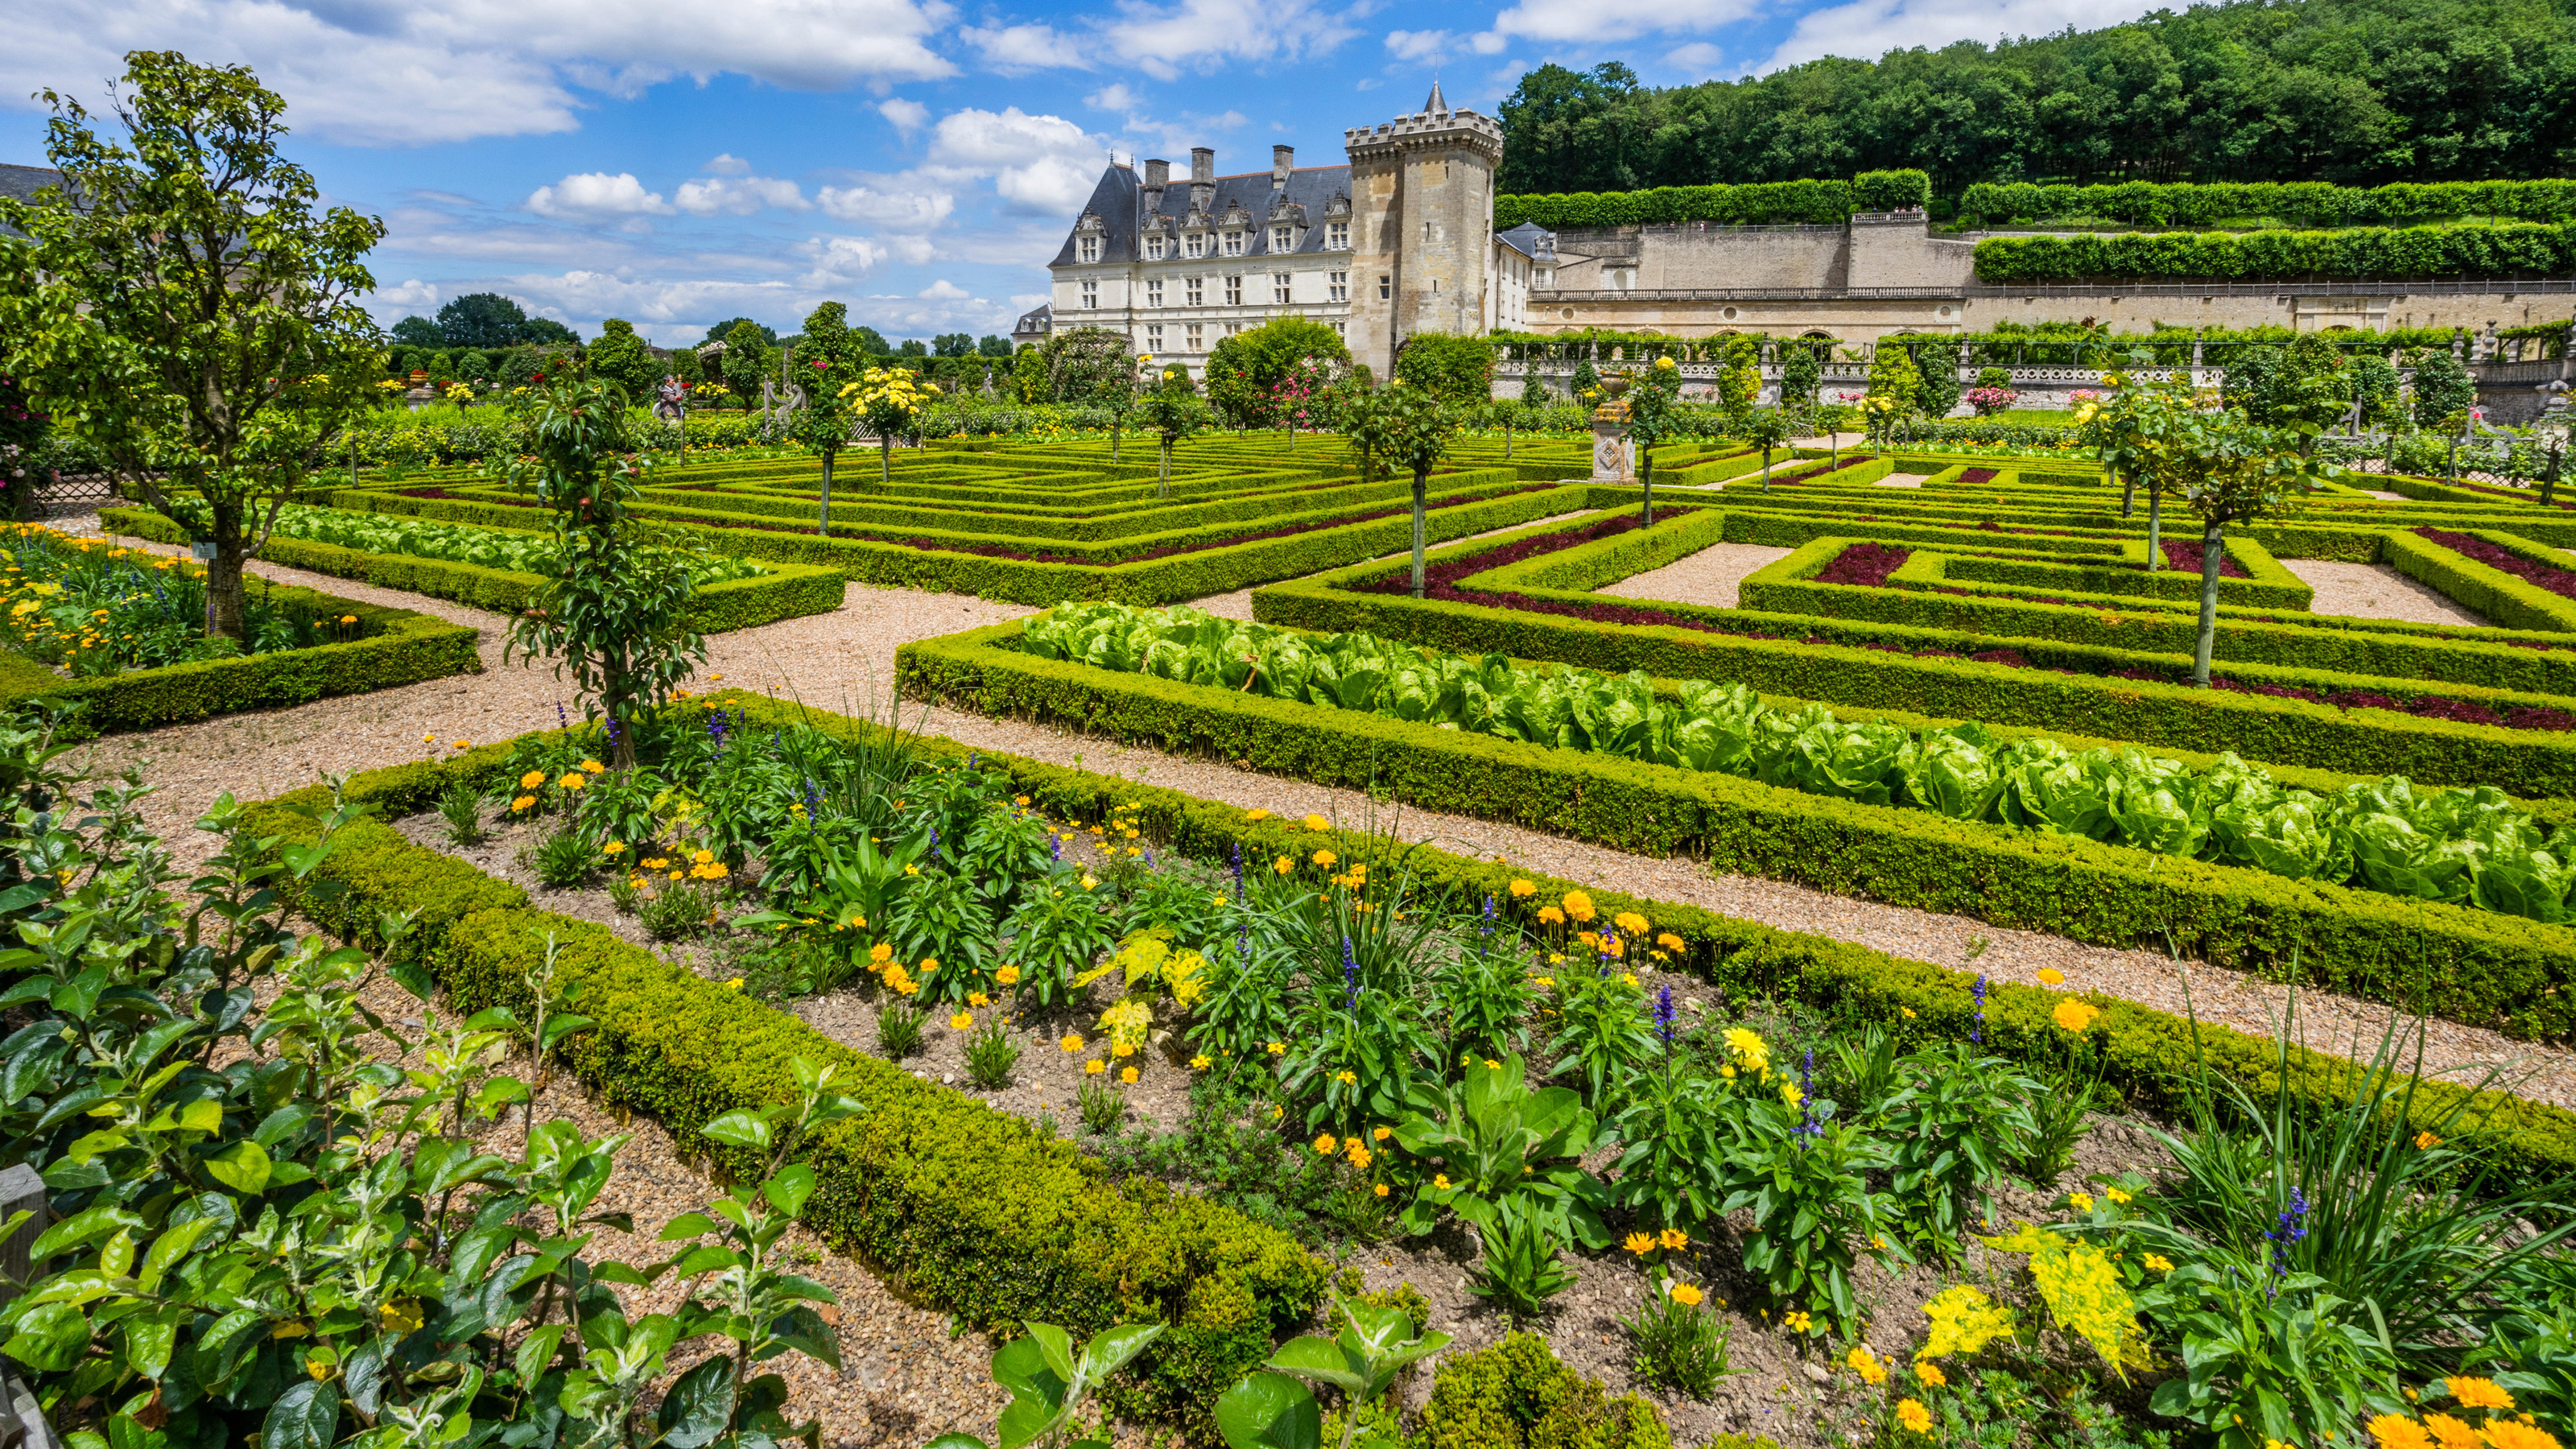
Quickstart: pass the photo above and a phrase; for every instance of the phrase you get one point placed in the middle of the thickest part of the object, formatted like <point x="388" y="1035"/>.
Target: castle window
<point x="1385" y="287"/>
<point x="1154" y="338"/>
<point x="1231" y="328"/>
<point x="1234" y="244"/>
<point x="1191" y="295"/>
<point x="1090" y="295"/>
<point x="1153" y="249"/>
<point x="1337" y="237"/>
<point x="1338" y="287"/>
<point x="1087" y="250"/>
<point x="1195" y="245"/>
<point x="1154" y="293"/>
<point x="1279" y="284"/>
<point x="1337" y="329"/>
<point x="1197" y="337"/>
<point x="1233" y="292"/>
<point x="1282" y="239"/>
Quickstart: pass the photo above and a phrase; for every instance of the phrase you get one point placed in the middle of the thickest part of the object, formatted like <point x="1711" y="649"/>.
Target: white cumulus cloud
<point x="1165" y="40"/>
<point x="591" y="195"/>
<point x="943" y="290"/>
<point x="740" y="196"/>
<point x="1039" y="165"/>
<point x="907" y="116"/>
<point x="894" y="205"/>
<point x="1589" y="21"/>
<point x="1417" y="45"/>
<point x="1869" y="28"/>
<point x="1014" y="48"/>
<point x="727" y="164"/>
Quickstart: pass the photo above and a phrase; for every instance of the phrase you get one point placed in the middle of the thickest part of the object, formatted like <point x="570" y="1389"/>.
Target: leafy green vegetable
<point x="491" y="548"/>
<point x="2472" y="847"/>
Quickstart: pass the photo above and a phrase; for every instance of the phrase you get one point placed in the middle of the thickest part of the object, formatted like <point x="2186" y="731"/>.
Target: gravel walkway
<point x="1708" y="577"/>
<point x="2376" y="591"/>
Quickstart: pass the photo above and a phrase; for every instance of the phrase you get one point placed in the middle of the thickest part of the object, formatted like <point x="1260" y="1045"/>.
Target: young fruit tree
<point x="1650" y="421"/>
<point x="184" y="305"/>
<point x="823" y="428"/>
<point x="616" y="611"/>
<point x="1401" y="427"/>
<point x="888" y="399"/>
<point x="2230" y="471"/>
<point x="1174" y="409"/>
<point x="1767" y="428"/>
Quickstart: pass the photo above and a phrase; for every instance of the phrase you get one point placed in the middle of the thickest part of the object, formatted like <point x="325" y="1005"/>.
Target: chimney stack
<point x="1158" y="174"/>
<point x="1202" y="178"/>
<point x="1283" y="159"/>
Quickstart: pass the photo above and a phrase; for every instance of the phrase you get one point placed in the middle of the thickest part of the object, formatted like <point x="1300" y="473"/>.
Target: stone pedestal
<point x="1614" y="458"/>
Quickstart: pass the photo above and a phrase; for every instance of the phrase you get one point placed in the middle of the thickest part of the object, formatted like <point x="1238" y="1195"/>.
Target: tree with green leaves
<point x="1652" y="397"/>
<point x="2139" y="428"/>
<point x="1801" y="373"/>
<point x="1895" y="388"/>
<point x="823" y="426"/>
<point x="1936" y="390"/>
<point x="1533" y="389"/>
<point x="889" y="400"/>
<point x="1401" y="427"/>
<point x="189" y="310"/>
<point x="1584" y="383"/>
<point x="483" y="319"/>
<point x="1174" y="409"/>
<point x="418" y="332"/>
<point x="2443" y="389"/>
<point x="1767" y="429"/>
<point x="2230" y="471"/>
<point x="1457" y="368"/>
<point x="619" y="356"/>
<point x="1739" y="379"/>
<point x="746" y="360"/>
<point x="615" y="611"/>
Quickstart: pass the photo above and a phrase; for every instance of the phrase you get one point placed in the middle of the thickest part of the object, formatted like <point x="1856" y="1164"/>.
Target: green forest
<point x="2359" y="92"/>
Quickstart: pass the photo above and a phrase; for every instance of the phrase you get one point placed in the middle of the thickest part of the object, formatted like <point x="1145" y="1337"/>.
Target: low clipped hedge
<point x="959" y="1204"/>
<point x="2482" y="588"/>
<point x="2492" y="249"/>
<point x="786" y="591"/>
<point x="2464" y="964"/>
<point x="1147" y="581"/>
<point x="396" y="646"/>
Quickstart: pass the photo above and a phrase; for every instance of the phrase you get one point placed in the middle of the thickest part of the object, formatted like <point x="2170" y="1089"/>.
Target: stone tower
<point x="1422" y="226"/>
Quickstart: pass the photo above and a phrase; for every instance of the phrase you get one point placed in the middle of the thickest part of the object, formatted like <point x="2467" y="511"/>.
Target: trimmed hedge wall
<point x="787" y="591"/>
<point x="961" y="1205"/>
<point x="397" y="646"/>
<point x="2482" y="588"/>
<point x="2314" y="203"/>
<point x="2463" y="964"/>
<point x="1750" y="204"/>
<point x="2498" y="249"/>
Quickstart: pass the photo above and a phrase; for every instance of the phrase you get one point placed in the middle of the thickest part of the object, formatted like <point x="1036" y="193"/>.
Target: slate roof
<point x="21" y="183"/>
<point x="1118" y="199"/>
<point x="1531" y="240"/>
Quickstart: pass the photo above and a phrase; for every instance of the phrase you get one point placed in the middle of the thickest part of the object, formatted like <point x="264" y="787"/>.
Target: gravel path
<point x="1708" y="577"/>
<point x="2376" y="591"/>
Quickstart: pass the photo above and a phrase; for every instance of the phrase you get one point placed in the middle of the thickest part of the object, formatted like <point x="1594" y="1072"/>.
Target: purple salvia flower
<point x="1977" y="1033"/>
<point x="1055" y="845"/>
<point x="1350" y="976"/>
<point x="934" y="842"/>
<point x="1663" y="1008"/>
<point x="2293" y="1226"/>
<point x="560" y="722"/>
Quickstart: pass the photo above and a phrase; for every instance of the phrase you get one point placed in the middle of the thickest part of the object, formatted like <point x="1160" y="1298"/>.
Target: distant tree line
<point x="2359" y="92"/>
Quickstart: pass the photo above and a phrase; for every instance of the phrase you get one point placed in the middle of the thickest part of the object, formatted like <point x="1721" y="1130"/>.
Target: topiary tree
<point x="2442" y="388"/>
<point x="1767" y="428"/>
<point x="1937" y="391"/>
<point x="1895" y="388"/>
<point x="1087" y="364"/>
<point x="615" y="611"/>
<point x="1174" y="409"/>
<point x="746" y="361"/>
<point x="1456" y="368"/>
<point x="888" y="399"/>
<point x="1739" y="379"/>
<point x="1801" y="373"/>
<point x="1401" y="427"/>
<point x="2138" y="429"/>
<point x="1651" y="399"/>
<point x="619" y="356"/>
<point x="823" y="428"/>
<point x="1029" y="375"/>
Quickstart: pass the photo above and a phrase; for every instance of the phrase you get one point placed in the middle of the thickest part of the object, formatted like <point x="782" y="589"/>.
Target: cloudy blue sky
<point x="677" y="164"/>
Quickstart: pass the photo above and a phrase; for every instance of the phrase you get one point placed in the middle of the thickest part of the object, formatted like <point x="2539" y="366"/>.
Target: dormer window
<point x="1337" y="236"/>
<point x="1283" y="238"/>
<point x="1087" y="249"/>
<point x="1195" y="245"/>
<point x="1234" y="244"/>
<point x="1153" y="248"/>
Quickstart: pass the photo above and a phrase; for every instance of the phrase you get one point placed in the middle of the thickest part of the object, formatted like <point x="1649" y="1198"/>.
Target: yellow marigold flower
<point x="1007" y="976"/>
<point x="1670" y="942"/>
<point x="593" y="767"/>
<point x="1382" y="1133"/>
<point x="1381" y="1189"/>
<point x="1325" y="857"/>
<point x="1440" y="1181"/>
<point x="1122" y="1049"/>
<point x="1359" y="1155"/>
<point x="532" y="779"/>
<point x="1522" y="889"/>
<point x="429" y="739"/>
<point x="1283" y="865"/>
<point x="1930" y="1374"/>
<point x="1250" y="815"/>
<point x="1639" y="1244"/>
<point x="1686" y="1295"/>
<point x="961" y="1020"/>
<point x="2395" y="1431"/>
<point x="1199" y="1063"/>
<point x="1071" y="1043"/>
<point x="1578" y="905"/>
<point x="1276" y="1048"/>
<point x="1866" y="1364"/>
<point x="734" y="985"/>
<point x="1095" y="1066"/>
<point x="2074" y="1015"/>
<point x="2116" y="1196"/>
<point x="1748" y="1050"/>
<point x="614" y="847"/>
<point x="1325" y="1144"/>
<point x="1672" y="1240"/>
<point x="1318" y="822"/>
<point x="2082" y="1202"/>
<point x="2478" y="1393"/>
<point x="2426" y="1141"/>
<point x="1797" y="1322"/>
<point x="2452" y="1433"/>
<point x="1914" y="1416"/>
<point x="524" y="802"/>
<point x="2051" y="976"/>
<point x="572" y="780"/>
<point x="881" y="953"/>
<point x="2514" y="1434"/>
<point x="1127" y="1075"/>
<point x="1550" y="915"/>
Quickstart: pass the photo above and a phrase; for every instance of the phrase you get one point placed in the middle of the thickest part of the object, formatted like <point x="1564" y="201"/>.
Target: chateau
<point x="1400" y="240"/>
